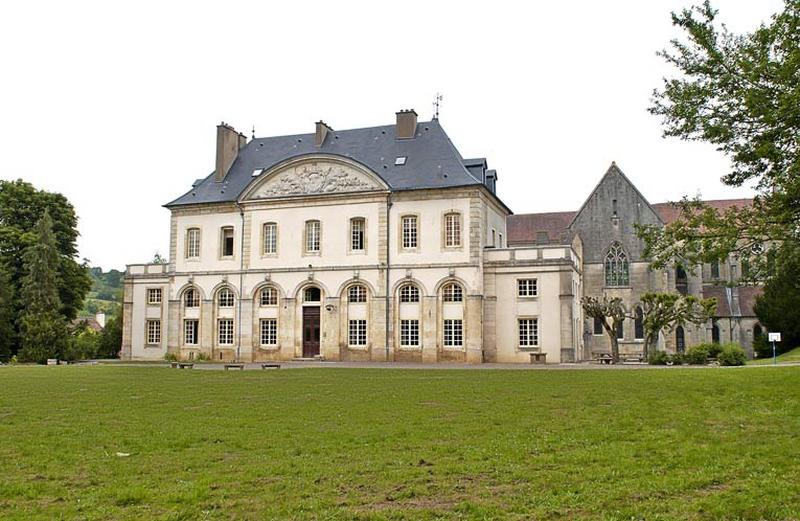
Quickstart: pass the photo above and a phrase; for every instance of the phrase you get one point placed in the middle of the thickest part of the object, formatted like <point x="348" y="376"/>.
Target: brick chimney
<point x="321" y="133"/>
<point x="229" y="142"/>
<point x="406" y="124"/>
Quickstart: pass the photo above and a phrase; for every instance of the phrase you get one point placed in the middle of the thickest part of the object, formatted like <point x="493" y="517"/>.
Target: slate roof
<point x="734" y="302"/>
<point x="432" y="160"/>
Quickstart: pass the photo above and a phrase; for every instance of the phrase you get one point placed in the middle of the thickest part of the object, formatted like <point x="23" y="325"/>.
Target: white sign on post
<point x="774" y="337"/>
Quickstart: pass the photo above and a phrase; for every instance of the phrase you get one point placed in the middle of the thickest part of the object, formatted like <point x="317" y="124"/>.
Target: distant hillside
<point x="106" y="293"/>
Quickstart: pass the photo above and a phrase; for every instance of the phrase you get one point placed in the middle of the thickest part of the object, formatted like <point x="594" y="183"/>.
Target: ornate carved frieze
<point x="317" y="177"/>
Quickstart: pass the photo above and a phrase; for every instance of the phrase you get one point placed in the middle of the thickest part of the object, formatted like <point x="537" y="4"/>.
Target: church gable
<point x="313" y="176"/>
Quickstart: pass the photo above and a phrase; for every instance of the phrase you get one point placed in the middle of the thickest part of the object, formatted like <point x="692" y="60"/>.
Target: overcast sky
<point x="115" y="105"/>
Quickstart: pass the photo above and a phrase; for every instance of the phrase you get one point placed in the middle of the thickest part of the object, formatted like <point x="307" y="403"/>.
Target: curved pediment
<point x="314" y="176"/>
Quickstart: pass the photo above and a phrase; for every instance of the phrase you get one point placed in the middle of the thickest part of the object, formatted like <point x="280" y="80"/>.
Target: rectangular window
<point x="409" y="231"/>
<point x="621" y="330"/>
<point x="193" y="243"/>
<point x="452" y="230"/>
<point x="598" y="326"/>
<point x="270" y="238"/>
<point x="493" y="243"/>
<point x="225" y="332"/>
<point x="527" y="288"/>
<point x="453" y="333"/>
<point x="154" y="295"/>
<point x="528" y="332"/>
<point x="357" y="234"/>
<point x="153" y="332"/>
<point x="500" y="241"/>
<point x="312" y="236"/>
<point x="358" y="333"/>
<point x="409" y="333"/>
<point x="226" y="241"/>
<point x="269" y="332"/>
<point x="190" y="332"/>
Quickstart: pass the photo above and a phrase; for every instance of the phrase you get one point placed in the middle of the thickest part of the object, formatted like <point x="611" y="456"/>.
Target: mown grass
<point x="788" y="356"/>
<point x="399" y="444"/>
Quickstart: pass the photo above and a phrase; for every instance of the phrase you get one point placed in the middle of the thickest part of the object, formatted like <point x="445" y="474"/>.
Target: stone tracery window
<point x="616" y="266"/>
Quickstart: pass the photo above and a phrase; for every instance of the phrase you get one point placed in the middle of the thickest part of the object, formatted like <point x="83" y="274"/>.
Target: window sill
<point x="453" y="348"/>
<point x="152" y="346"/>
<point x="410" y="348"/>
<point x="617" y="287"/>
<point x="269" y="347"/>
<point x="269" y="255"/>
<point x="357" y="348"/>
<point x="527" y="349"/>
<point x="153" y="304"/>
<point x="226" y="258"/>
<point x="535" y="297"/>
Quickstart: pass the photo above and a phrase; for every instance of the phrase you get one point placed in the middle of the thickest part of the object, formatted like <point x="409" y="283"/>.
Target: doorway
<point x="310" y="331"/>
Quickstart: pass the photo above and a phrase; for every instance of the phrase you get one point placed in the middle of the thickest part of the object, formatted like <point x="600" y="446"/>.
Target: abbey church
<point x="385" y="244"/>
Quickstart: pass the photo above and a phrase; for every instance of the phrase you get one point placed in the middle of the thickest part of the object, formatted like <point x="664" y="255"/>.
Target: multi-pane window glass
<point x="312" y="236"/>
<point x="358" y="332"/>
<point x="409" y="293"/>
<point x="193" y="243"/>
<point x="357" y="227"/>
<point x="153" y="331"/>
<point x="409" y="231"/>
<point x="453" y="333"/>
<point x="452" y="230"/>
<point x="270" y="238"/>
<point x="453" y="293"/>
<point x="225" y="331"/>
<point x="190" y="330"/>
<point x="616" y="266"/>
<point x="225" y="298"/>
<point x="357" y="293"/>
<point x="269" y="296"/>
<point x="528" y="332"/>
<point x="269" y="332"/>
<point x="192" y="298"/>
<point x="527" y="288"/>
<point x="226" y="238"/>
<point x="312" y="294"/>
<point x="409" y="333"/>
<point x="154" y="296"/>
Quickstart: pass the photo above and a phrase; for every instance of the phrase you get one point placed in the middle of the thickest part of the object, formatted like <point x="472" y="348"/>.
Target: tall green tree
<point x="110" y="342"/>
<point x="740" y="92"/>
<point x="666" y="311"/>
<point x="43" y="328"/>
<point x="6" y="316"/>
<point x="778" y="308"/>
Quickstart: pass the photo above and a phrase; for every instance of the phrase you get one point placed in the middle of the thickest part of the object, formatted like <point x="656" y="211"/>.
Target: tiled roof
<point x="669" y="212"/>
<point x="733" y="302"/>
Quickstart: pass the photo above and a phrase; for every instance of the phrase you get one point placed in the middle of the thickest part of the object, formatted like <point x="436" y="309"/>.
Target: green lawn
<point x="788" y="356"/>
<point x="719" y="443"/>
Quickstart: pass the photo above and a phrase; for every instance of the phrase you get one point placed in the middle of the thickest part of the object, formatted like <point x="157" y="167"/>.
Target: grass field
<point x="155" y="443"/>
<point x="788" y="356"/>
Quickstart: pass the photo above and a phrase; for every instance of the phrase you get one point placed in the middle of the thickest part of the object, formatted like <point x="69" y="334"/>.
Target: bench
<point x="185" y="365"/>
<point x="603" y="358"/>
<point x="234" y="366"/>
<point x="173" y="365"/>
<point x="270" y="366"/>
<point x="538" y="358"/>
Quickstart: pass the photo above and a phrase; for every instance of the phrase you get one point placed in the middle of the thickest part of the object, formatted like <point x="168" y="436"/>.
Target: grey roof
<point x="432" y="160"/>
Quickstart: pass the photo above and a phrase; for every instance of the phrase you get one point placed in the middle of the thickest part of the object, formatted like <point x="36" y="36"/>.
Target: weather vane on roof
<point x="254" y="131"/>
<point x="436" y="103"/>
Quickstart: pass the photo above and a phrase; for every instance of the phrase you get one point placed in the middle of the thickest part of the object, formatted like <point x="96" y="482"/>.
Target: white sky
<point x="115" y="104"/>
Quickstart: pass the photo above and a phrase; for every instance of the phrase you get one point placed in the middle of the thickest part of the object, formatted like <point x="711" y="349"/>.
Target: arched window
<point x="715" y="333"/>
<point x="225" y="298"/>
<point x="268" y="296"/>
<point x="357" y="293"/>
<point x="312" y="294"/>
<point x="757" y="332"/>
<point x="638" y="324"/>
<point x="616" y="266"/>
<point x="191" y="298"/>
<point x="452" y="292"/>
<point x="681" y="280"/>
<point x="680" y="340"/>
<point x="409" y="293"/>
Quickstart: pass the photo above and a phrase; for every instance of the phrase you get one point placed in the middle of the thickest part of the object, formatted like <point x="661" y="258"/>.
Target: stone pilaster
<point x="473" y="323"/>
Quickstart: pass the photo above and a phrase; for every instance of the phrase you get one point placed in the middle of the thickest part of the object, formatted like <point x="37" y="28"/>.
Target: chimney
<point x="406" y="124"/>
<point x="228" y="144"/>
<point x="321" y="133"/>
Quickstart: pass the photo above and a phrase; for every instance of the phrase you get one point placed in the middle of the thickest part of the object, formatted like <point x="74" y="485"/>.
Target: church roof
<point x="432" y="161"/>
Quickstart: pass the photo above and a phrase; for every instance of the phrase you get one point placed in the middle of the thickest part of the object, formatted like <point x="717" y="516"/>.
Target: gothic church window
<point x="616" y="266"/>
<point x="638" y="324"/>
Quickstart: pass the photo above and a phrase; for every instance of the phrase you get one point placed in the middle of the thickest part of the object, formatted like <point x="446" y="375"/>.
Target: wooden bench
<point x="234" y="366"/>
<point x="270" y="366"/>
<point x="538" y="358"/>
<point x="185" y="365"/>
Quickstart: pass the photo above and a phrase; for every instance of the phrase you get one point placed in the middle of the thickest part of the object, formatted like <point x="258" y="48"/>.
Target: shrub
<point x="658" y="358"/>
<point x="678" y="359"/>
<point x="171" y="357"/>
<point x="697" y="355"/>
<point x="202" y="357"/>
<point x="732" y="354"/>
<point x="762" y="346"/>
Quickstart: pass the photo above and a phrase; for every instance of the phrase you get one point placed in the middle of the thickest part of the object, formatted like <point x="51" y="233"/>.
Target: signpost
<point x="774" y="337"/>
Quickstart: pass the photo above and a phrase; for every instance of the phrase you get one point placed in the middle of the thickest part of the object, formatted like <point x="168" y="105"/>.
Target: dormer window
<point x="400" y="161"/>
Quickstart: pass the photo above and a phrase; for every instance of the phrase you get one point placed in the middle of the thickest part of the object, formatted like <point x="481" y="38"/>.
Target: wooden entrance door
<point x="310" y="332"/>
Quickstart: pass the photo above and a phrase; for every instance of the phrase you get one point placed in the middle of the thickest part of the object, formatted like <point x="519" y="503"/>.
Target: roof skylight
<point x="400" y="161"/>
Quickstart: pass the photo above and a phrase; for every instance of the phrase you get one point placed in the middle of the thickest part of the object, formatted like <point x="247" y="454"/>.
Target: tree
<point x="742" y="94"/>
<point x="43" y="328"/>
<point x="778" y="308"/>
<point x="110" y="342"/>
<point x="666" y="311"/>
<point x="611" y="312"/>
<point x="6" y="316"/>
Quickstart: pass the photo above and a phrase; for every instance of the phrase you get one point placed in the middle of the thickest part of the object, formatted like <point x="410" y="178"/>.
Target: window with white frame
<point x="225" y="332"/>
<point x="225" y="298"/>
<point x="452" y="230"/>
<point x="453" y="292"/>
<point x="357" y="293"/>
<point x="312" y="236"/>
<point x="409" y="293"/>
<point x="190" y="332"/>
<point x="226" y="241"/>
<point x="528" y="332"/>
<point x="410" y="235"/>
<point x="453" y="332"/>
<point x="357" y="332"/>
<point x="268" y="296"/>
<point x="192" y="243"/>
<point x="153" y="332"/>
<point x="270" y="238"/>
<point x="409" y="333"/>
<point x="357" y="230"/>
<point x="191" y="298"/>
<point x="154" y="296"/>
<point x="269" y="331"/>
<point x="527" y="288"/>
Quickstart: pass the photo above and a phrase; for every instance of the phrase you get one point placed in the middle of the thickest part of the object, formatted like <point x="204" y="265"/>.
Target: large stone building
<point x="384" y="243"/>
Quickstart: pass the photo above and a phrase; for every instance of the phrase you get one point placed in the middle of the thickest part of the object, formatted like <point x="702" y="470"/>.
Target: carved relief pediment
<point x="315" y="177"/>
